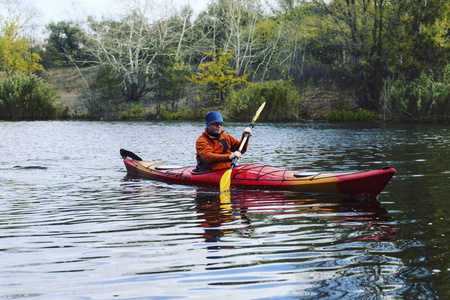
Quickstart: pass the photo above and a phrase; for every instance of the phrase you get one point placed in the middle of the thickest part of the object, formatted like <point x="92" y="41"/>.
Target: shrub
<point x="25" y="97"/>
<point x="132" y="111"/>
<point x="425" y="98"/>
<point x="185" y="115"/>
<point x="282" y="101"/>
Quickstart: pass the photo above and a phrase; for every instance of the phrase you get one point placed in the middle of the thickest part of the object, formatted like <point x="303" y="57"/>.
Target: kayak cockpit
<point x="167" y="167"/>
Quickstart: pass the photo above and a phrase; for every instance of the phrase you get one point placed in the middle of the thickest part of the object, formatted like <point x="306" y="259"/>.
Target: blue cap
<point x="213" y="117"/>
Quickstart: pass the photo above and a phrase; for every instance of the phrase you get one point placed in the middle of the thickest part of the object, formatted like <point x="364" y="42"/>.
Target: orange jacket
<point x="214" y="153"/>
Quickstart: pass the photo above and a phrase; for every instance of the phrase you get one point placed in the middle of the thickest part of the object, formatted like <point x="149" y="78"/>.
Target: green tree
<point x="382" y="39"/>
<point x="413" y="37"/>
<point x="217" y="76"/>
<point x="65" y="45"/>
<point x="358" y="29"/>
<point x="15" y="51"/>
<point x="425" y="98"/>
<point x="170" y="81"/>
<point x="441" y="27"/>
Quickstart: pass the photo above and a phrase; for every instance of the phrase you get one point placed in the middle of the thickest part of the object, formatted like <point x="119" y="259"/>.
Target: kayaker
<point x="215" y="148"/>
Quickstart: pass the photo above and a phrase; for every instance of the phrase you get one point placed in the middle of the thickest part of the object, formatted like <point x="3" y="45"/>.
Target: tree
<point x="441" y="27"/>
<point x="132" y="45"/>
<point x="217" y="76"/>
<point x="172" y="79"/>
<point x="65" y="45"/>
<point x="382" y="39"/>
<point x="414" y="37"/>
<point x="19" y="12"/>
<point x="238" y="26"/>
<point x="15" y="53"/>
<point x="360" y="25"/>
<point x="303" y="41"/>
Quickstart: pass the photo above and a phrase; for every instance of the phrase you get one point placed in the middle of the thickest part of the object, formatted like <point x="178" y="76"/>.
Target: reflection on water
<point x="289" y="243"/>
<point x="234" y="215"/>
<point x="73" y="225"/>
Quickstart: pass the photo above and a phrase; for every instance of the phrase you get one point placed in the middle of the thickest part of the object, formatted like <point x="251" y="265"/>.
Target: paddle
<point x="225" y="181"/>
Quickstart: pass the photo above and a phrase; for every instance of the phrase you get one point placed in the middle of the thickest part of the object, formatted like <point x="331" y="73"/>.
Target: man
<point x="215" y="148"/>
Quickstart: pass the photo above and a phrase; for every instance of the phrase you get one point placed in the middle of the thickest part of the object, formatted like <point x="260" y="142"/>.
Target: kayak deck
<point x="263" y="177"/>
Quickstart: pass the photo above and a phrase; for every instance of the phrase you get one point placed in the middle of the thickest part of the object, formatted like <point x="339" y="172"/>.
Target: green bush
<point x="425" y="98"/>
<point x="132" y="111"/>
<point x="361" y="115"/>
<point x="185" y="115"/>
<point x="25" y="97"/>
<point x="282" y="101"/>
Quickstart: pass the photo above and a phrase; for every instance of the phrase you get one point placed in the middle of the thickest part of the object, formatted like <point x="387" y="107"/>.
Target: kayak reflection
<point x="234" y="213"/>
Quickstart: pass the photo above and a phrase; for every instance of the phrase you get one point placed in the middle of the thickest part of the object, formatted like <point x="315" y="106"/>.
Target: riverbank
<point x="72" y="87"/>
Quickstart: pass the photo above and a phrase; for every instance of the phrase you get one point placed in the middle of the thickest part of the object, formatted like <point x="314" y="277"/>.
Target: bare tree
<point x="239" y="26"/>
<point x="22" y="13"/>
<point x="133" y="46"/>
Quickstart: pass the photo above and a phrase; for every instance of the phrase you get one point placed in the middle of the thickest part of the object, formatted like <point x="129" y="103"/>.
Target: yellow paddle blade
<point x="225" y="181"/>
<point x="259" y="111"/>
<point x="225" y="201"/>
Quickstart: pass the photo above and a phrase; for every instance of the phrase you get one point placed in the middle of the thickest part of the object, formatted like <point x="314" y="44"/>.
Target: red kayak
<point x="263" y="177"/>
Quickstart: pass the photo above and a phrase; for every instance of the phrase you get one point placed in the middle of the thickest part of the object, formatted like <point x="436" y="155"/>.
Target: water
<point x="73" y="225"/>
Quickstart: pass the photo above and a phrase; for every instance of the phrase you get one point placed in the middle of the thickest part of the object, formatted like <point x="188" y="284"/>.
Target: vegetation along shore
<point x="352" y="61"/>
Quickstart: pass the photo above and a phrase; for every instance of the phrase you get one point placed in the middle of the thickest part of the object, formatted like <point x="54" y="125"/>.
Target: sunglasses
<point x="216" y="124"/>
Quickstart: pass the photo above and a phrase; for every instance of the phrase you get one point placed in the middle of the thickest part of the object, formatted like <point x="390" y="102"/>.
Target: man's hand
<point x="235" y="154"/>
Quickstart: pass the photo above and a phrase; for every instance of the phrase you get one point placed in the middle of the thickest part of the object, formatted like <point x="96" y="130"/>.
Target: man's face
<point x="215" y="128"/>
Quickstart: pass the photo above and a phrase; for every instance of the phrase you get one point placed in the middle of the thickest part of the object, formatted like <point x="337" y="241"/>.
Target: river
<point x="74" y="225"/>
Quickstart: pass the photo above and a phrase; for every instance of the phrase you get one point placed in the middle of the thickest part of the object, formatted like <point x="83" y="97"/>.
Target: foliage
<point x="65" y="45"/>
<point x="413" y="35"/>
<point x="22" y="13"/>
<point x="132" y="111"/>
<point x="25" y="97"/>
<point x="133" y="46"/>
<point x="356" y="44"/>
<point x="348" y="116"/>
<point x="15" y="51"/>
<point x="308" y="46"/>
<point x="170" y="82"/>
<point x="217" y="76"/>
<point x="425" y="98"/>
<point x="440" y="29"/>
<point x="106" y="84"/>
<point x="374" y="40"/>
<point x="282" y="101"/>
<point x="187" y="114"/>
<point x="241" y="28"/>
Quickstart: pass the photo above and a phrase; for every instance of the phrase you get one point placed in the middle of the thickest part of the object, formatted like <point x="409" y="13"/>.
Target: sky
<point x="65" y="10"/>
